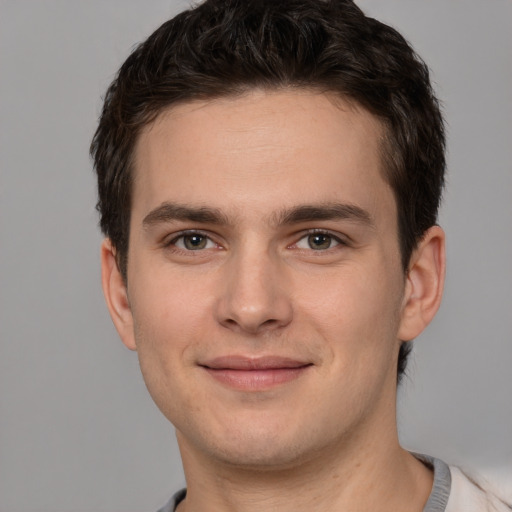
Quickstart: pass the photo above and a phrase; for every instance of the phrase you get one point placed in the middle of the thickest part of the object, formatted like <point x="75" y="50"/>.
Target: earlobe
<point x="424" y="284"/>
<point x="116" y="296"/>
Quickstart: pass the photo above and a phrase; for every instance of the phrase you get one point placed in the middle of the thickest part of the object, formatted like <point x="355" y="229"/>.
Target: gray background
<point x="78" y="431"/>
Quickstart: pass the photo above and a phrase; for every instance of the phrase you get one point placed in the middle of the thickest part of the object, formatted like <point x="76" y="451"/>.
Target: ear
<point x="424" y="284"/>
<point x="116" y="296"/>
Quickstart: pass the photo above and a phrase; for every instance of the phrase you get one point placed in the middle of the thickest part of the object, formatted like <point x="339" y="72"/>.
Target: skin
<point x="271" y="271"/>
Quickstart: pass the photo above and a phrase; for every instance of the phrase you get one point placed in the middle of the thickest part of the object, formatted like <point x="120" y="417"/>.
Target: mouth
<point x="255" y="374"/>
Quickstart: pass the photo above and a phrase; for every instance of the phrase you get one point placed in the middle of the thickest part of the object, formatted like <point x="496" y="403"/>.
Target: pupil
<point x="319" y="241"/>
<point x="195" y="242"/>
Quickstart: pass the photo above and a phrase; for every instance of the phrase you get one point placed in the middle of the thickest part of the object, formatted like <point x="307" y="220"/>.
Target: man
<point x="269" y="179"/>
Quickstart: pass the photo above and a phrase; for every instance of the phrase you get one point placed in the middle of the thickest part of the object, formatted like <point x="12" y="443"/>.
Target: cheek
<point x="170" y="318"/>
<point x="356" y="311"/>
<point x="168" y="327"/>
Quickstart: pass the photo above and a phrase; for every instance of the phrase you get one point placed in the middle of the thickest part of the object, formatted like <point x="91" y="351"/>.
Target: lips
<point x="254" y="374"/>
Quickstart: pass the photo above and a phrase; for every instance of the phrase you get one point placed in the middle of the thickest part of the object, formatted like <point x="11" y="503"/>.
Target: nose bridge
<point x="254" y="296"/>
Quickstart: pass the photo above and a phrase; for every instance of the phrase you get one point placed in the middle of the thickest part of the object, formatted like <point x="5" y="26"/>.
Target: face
<point x="265" y="293"/>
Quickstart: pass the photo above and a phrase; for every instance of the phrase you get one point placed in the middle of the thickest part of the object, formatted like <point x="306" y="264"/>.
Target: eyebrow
<point x="326" y="211"/>
<point x="169" y="212"/>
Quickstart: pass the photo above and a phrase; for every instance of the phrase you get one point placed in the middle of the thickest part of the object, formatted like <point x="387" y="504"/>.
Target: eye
<point x="193" y="242"/>
<point x="318" y="241"/>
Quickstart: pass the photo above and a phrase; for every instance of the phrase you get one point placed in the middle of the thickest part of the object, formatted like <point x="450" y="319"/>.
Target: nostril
<point x="253" y="327"/>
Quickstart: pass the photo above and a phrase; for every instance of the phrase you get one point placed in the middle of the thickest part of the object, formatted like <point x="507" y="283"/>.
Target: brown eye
<point x="319" y="241"/>
<point x="193" y="242"/>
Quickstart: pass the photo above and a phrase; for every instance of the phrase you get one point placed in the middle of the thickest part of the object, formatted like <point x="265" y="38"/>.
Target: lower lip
<point x="256" y="380"/>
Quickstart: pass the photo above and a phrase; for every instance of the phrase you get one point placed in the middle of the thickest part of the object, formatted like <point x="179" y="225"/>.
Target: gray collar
<point x="438" y="498"/>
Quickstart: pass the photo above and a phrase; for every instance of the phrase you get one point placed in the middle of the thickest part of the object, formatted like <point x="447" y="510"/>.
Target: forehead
<point x="261" y="149"/>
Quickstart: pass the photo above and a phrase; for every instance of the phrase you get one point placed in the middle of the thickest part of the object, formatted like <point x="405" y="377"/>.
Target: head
<point x="228" y="48"/>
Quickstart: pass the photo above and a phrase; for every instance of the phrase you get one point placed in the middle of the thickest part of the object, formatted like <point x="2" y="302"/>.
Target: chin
<point x="260" y="456"/>
<point x="268" y="447"/>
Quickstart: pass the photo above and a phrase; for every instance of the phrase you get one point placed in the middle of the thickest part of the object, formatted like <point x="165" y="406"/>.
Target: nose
<point x="254" y="294"/>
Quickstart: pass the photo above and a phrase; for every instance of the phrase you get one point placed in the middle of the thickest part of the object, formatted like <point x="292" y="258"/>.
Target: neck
<point x="366" y="472"/>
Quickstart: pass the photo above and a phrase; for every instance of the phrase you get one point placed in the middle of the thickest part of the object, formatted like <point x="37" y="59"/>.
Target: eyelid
<point x="170" y="240"/>
<point x="340" y="239"/>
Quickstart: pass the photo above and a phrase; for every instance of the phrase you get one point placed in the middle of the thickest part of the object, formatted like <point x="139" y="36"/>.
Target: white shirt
<point x="468" y="496"/>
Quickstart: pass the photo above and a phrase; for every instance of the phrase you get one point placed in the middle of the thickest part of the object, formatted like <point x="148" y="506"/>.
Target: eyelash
<point x="171" y="244"/>
<point x="336" y="238"/>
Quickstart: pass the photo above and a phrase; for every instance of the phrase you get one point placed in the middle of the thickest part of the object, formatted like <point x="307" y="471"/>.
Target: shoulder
<point x="454" y="490"/>
<point x="469" y="495"/>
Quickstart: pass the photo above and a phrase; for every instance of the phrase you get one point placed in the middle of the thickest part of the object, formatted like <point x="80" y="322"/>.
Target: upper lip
<point x="236" y="362"/>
